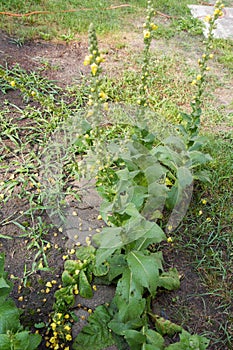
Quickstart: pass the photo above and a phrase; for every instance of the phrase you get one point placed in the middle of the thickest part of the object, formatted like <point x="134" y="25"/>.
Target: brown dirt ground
<point x="191" y="299"/>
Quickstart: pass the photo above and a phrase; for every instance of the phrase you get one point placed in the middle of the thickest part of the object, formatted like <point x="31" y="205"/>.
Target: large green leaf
<point x="128" y="287"/>
<point x="135" y="339"/>
<point x="110" y="237"/>
<point x="180" y="194"/>
<point x="144" y="270"/>
<point x="96" y="335"/>
<point x="155" y="172"/>
<point x="9" y="317"/>
<point x="189" y="342"/>
<point x="25" y="341"/>
<point x="136" y="195"/>
<point x="133" y="229"/>
<point x="117" y="265"/>
<point x="103" y="254"/>
<point x="157" y="195"/>
<point x="5" y="342"/>
<point x="155" y="339"/>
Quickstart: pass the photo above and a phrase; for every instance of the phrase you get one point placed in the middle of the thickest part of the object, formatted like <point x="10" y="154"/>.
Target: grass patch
<point x="68" y="26"/>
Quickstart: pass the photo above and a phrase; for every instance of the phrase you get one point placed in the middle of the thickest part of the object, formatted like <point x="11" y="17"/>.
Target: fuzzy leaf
<point x="100" y="270"/>
<point x="5" y="342"/>
<point x="128" y="287"/>
<point x="110" y="237"/>
<point x="85" y="289"/>
<point x="117" y="264"/>
<point x="9" y="317"/>
<point x="25" y="341"/>
<point x="155" y="339"/>
<point x="154" y="172"/>
<point x="96" y="335"/>
<point x="85" y="252"/>
<point x="144" y="270"/>
<point x="135" y="339"/>
<point x="189" y="342"/>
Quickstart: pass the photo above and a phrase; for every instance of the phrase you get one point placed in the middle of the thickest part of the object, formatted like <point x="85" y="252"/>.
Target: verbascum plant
<point x="193" y="119"/>
<point x="97" y="96"/>
<point x="149" y="26"/>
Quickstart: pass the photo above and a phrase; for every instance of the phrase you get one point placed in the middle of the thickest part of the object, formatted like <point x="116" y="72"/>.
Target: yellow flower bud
<point x="153" y="26"/>
<point x="94" y="68"/>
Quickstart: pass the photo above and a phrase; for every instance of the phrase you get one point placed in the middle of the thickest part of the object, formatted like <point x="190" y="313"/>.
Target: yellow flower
<point x="208" y="219"/>
<point x="94" y="68"/>
<point x="204" y="201"/>
<point x="200" y="212"/>
<point x="52" y="340"/>
<point x="208" y="18"/>
<point x="146" y="34"/>
<point x="100" y="58"/>
<point x="53" y="326"/>
<point x="169" y="240"/>
<point x="59" y="315"/>
<point x="67" y="316"/>
<point x="33" y="93"/>
<point x="103" y="95"/>
<point x="68" y="337"/>
<point x="67" y="328"/>
<point x="169" y="227"/>
<point x="199" y="77"/>
<point x="217" y="12"/>
<point x="20" y="298"/>
<point x="193" y="82"/>
<point x="49" y="284"/>
<point x="67" y="348"/>
<point x="153" y="26"/>
<point x="12" y="83"/>
<point x="211" y="55"/>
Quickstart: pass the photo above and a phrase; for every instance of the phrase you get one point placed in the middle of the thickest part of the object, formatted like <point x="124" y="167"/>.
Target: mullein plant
<point x="97" y="97"/>
<point x="193" y="119"/>
<point x="148" y="27"/>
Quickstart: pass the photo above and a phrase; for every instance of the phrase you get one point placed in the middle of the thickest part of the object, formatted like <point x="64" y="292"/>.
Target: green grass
<point x="68" y="26"/>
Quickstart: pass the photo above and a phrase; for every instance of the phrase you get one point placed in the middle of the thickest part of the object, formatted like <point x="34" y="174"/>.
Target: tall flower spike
<point x="148" y="28"/>
<point x="94" y="59"/>
<point x="193" y="124"/>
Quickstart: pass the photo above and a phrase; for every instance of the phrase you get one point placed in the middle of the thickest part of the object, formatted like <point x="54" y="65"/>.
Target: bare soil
<point x="64" y="64"/>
